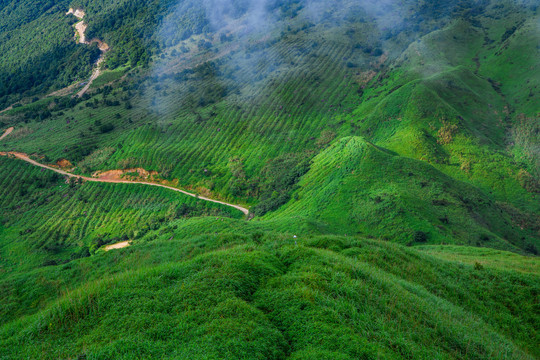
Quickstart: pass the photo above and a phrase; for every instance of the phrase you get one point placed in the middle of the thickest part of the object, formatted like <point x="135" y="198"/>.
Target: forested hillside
<point x="388" y="153"/>
<point x="37" y="50"/>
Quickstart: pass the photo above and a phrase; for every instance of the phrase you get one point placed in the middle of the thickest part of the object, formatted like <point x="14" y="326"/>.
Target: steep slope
<point x="388" y="152"/>
<point x="226" y="94"/>
<point x="450" y="101"/>
<point x="354" y="187"/>
<point x="37" y="51"/>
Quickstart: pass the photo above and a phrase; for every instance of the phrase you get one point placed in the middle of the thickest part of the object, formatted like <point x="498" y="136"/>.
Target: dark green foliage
<point x="106" y="128"/>
<point x="37" y="50"/>
<point x="278" y="180"/>
<point x="531" y="249"/>
<point x="420" y="237"/>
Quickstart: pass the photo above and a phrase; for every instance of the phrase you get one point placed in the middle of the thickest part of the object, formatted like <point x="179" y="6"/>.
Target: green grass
<point x="489" y="258"/>
<point x="109" y="76"/>
<point x="392" y="172"/>
<point x="229" y="296"/>
<point x="354" y="187"/>
<point x="435" y="94"/>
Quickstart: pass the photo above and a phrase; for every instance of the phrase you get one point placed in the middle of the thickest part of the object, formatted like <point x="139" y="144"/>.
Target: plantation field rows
<point x="383" y="157"/>
<point x="215" y="126"/>
<point x="60" y="219"/>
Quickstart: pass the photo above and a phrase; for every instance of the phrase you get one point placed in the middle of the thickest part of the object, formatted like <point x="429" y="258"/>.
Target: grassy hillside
<point x="388" y="153"/>
<point x="485" y="257"/>
<point x="354" y="187"/>
<point x="457" y="116"/>
<point x="237" y="297"/>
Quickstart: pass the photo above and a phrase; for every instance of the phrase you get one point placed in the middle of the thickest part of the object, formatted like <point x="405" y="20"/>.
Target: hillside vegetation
<point x="47" y="219"/>
<point x="38" y="51"/>
<point x="354" y="187"/>
<point x="232" y="296"/>
<point x="388" y="153"/>
<point x="214" y="118"/>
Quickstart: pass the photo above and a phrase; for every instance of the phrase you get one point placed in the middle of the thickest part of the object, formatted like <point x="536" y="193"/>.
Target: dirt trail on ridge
<point x="81" y="31"/>
<point x="25" y="157"/>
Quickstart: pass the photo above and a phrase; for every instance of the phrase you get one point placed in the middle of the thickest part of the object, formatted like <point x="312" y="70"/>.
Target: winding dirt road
<point x="25" y="157"/>
<point x="81" y="30"/>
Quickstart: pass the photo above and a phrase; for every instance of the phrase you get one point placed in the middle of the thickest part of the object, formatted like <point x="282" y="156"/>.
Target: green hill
<point x="47" y="220"/>
<point x="231" y="296"/>
<point x="388" y="153"/>
<point x="354" y="187"/>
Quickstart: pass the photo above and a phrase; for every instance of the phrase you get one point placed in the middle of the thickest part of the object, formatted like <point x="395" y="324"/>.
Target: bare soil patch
<point x="119" y="245"/>
<point x="7" y="132"/>
<point x="127" y="174"/>
<point x="81" y="35"/>
<point x="64" y="164"/>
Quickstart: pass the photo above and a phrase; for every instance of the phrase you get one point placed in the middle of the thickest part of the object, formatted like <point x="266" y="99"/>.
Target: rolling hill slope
<point x="388" y="153"/>
<point x="235" y="297"/>
<point x="354" y="187"/>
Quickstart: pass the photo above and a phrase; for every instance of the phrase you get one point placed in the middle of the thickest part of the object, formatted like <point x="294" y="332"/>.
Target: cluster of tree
<point x="279" y="179"/>
<point x="197" y="209"/>
<point x="37" y="182"/>
<point x="275" y="183"/>
<point x="130" y="27"/>
<point x="57" y="68"/>
<point x="21" y="12"/>
<point x="37" y="51"/>
<point x="42" y="110"/>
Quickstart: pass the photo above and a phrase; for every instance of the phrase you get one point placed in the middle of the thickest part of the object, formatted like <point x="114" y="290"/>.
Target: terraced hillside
<point x="48" y="219"/>
<point x="388" y="153"/>
<point x="219" y="116"/>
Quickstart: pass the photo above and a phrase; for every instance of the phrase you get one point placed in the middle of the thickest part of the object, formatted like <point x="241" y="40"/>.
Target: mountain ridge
<point x="384" y="155"/>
